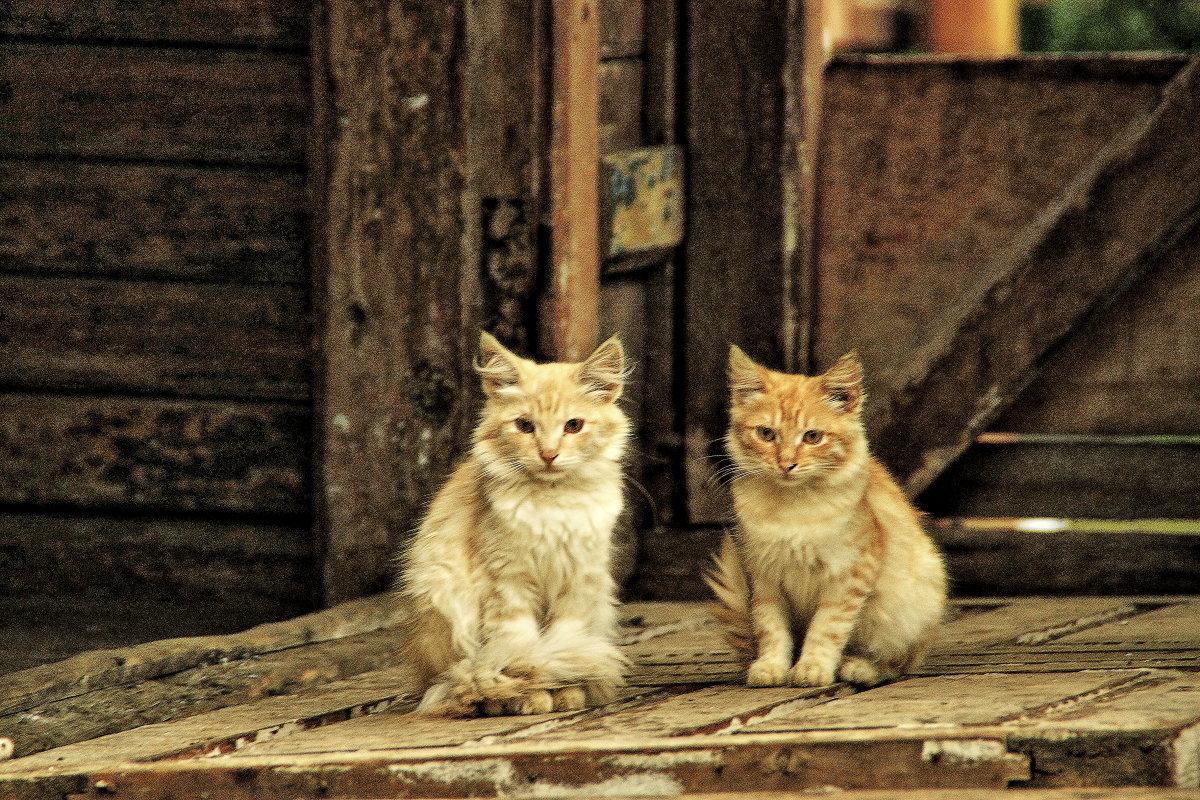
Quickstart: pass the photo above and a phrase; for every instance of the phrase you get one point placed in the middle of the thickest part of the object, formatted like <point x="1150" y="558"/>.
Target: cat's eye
<point x="813" y="437"/>
<point x="574" y="425"/>
<point x="765" y="433"/>
<point x="524" y="424"/>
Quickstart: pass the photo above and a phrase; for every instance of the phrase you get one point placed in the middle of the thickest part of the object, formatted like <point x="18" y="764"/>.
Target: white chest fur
<point x="798" y="538"/>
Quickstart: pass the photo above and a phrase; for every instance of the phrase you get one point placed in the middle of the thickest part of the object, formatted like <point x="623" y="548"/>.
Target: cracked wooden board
<point x="1017" y="618"/>
<point x="230" y="728"/>
<point x="396" y="731"/>
<point x="951" y="701"/>
<point x="194" y="691"/>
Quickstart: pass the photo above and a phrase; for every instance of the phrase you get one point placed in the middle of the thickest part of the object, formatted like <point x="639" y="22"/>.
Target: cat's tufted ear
<point x="745" y="377"/>
<point x="604" y="372"/>
<point x="496" y="365"/>
<point x="843" y="383"/>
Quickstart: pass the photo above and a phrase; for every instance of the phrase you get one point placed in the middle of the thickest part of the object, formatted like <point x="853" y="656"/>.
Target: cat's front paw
<point x="766" y="672"/>
<point x="534" y="701"/>
<point x="569" y="698"/>
<point x="809" y="672"/>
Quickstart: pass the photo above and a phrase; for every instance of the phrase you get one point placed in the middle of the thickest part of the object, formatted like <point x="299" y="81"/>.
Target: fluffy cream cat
<point x="513" y="608"/>
<point x="827" y="547"/>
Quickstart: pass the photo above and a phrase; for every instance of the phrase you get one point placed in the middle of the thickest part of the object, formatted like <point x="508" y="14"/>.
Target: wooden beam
<point x="113" y="452"/>
<point x="261" y="23"/>
<point x="219" y="225"/>
<point x="748" y="103"/>
<point x="570" y="321"/>
<point x="397" y="281"/>
<point x="156" y="338"/>
<point x="1119" y="215"/>
<point x="63" y="100"/>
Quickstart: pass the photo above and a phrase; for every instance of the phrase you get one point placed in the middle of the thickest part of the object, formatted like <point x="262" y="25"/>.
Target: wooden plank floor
<point x="1029" y="693"/>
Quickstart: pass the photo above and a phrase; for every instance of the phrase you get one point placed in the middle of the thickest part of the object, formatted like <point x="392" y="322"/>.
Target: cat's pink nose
<point x="549" y="457"/>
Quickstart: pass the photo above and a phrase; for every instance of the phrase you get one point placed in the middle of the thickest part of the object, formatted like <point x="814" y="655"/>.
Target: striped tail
<point x="729" y="583"/>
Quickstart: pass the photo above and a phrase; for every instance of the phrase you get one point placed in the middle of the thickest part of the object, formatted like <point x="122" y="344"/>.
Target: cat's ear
<point x="745" y="377"/>
<point x="496" y="365"/>
<point x="843" y="383"/>
<point x="604" y="372"/>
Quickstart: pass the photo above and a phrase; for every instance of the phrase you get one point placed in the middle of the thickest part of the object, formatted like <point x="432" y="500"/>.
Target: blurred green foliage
<point x="1101" y="25"/>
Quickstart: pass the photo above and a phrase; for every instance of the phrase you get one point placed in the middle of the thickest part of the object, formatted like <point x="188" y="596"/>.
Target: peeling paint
<point x="341" y="422"/>
<point x="962" y="751"/>
<point x="1185" y="758"/>
<point x="495" y="771"/>
<point x="643" y="785"/>
<point x="662" y="760"/>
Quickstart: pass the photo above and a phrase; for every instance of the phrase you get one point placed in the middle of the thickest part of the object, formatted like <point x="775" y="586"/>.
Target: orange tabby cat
<point x="827" y="546"/>
<point x="508" y="577"/>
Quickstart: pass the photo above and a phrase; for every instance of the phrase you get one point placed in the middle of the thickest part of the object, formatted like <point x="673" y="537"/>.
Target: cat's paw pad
<point x="766" y="673"/>
<point x="810" y="673"/>
<point x="859" y="671"/>
<point x="569" y="698"/>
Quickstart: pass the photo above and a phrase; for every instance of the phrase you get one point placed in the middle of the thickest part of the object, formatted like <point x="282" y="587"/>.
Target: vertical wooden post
<point x="570" y="318"/>
<point x="981" y="27"/>
<point x="750" y="91"/>
<point x="396" y="288"/>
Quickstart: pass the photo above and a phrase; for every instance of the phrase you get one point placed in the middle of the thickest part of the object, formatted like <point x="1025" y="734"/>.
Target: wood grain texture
<point x="504" y="109"/>
<point x="708" y="763"/>
<point x="933" y="238"/>
<point x="261" y="23"/>
<point x="1072" y="481"/>
<point x="101" y="669"/>
<point x="621" y="92"/>
<point x="902" y="234"/>
<point x="622" y="28"/>
<point x="181" y="695"/>
<point x="134" y="556"/>
<point x="224" y="225"/>
<point x="398" y="297"/>
<point x="1135" y="368"/>
<point x="741" y="245"/>
<point x="1082" y="251"/>
<point x="569" y="317"/>
<point x="149" y="337"/>
<point x="147" y="103"/>
<point x="959" y="700"/>
<point x="995" y="723"/>
<point x="114" y="452"/>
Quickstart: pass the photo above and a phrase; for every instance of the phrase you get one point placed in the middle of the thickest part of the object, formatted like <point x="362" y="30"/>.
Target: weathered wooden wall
<point x="931" y="168"/>
<point x="154" y="326"/>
